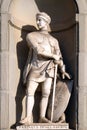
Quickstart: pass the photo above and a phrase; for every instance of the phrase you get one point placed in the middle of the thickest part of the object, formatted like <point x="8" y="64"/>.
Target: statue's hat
<point x="45" y="16"/>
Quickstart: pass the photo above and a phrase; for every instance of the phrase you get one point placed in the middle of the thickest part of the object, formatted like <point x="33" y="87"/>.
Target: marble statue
<point x="44" y="53"/>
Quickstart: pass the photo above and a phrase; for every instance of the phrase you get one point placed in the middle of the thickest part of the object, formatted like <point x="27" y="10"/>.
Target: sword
<point x="54" y="88"/>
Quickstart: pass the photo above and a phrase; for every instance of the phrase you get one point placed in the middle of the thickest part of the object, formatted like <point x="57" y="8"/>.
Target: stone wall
<point x="82" y="100"/>
<point x="82" y="69"/>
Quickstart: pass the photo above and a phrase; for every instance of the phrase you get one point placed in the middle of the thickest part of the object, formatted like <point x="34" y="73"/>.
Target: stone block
<point x="4" y="119"/>
<point x="4" y="32"/>
<point x="82" y="69"/>
<point x="5" y="5"/>
<point x="82" y="110"/>
<point x="44" y="126"/>
<point x="82" y="33"/>
<point x="4" y="70"/>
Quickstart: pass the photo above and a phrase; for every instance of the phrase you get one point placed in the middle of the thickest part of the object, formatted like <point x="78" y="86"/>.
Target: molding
<point x="82" y="4"/>
<point x="5" y="4"/>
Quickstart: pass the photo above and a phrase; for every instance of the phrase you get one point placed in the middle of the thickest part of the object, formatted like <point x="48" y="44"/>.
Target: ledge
<point x="44" y="126"/>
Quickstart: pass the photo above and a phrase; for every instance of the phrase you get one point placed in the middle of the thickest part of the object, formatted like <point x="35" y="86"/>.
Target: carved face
<point x="41" y="23"/>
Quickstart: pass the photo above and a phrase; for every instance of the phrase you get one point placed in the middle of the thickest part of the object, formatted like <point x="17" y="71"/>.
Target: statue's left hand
<point x="65" y="74"/>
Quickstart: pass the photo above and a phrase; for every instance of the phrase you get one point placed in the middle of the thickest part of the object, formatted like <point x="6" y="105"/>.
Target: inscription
<point x="43" y="127"/>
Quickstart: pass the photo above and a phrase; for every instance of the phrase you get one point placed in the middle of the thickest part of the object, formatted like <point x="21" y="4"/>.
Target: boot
<point x="26" y="121"/>
<point x="44" y="120"/>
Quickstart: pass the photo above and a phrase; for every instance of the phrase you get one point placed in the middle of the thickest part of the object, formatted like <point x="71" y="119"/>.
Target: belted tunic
<point x="38" y="66"/>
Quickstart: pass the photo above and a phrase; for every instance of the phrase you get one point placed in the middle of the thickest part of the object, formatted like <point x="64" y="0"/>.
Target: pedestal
<point x="44" y="126"/>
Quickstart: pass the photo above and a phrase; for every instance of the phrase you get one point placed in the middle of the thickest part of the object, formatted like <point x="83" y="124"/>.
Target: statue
<point x="44" y="54"/>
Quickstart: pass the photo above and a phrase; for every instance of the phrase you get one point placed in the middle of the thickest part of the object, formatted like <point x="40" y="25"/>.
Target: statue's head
<point x="42" y="19"/>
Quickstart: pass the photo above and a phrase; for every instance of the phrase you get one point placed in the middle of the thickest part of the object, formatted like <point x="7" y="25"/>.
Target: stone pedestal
<point x="44" y="126"/>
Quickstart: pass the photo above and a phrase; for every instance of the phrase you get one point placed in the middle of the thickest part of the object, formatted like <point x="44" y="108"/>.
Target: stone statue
<point x="44" y="53"/>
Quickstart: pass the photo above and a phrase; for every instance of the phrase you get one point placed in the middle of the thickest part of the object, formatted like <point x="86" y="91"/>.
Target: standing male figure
<point x="43" y="55"/>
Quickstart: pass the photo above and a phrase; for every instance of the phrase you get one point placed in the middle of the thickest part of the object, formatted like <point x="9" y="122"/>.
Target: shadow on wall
<point x="22" y="54"/>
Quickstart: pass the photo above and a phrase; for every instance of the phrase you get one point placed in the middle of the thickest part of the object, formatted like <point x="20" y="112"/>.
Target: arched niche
<point x="14" y="47"/>
<point x="63" y="27"/>
<point x="81" y="5"/>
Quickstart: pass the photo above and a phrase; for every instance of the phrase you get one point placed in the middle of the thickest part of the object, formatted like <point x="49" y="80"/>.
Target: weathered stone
<point x="82" y="70"/>
<point x="4" y="32"/>
<point x="82" y="113"/>
<point x="44" y="126"/>
<point x="4" y="70"/>
<point x="82" y="109"/>
<point x="62" y="96"/>
<point x="82" y="33"/>
<point x="4" y="109"/>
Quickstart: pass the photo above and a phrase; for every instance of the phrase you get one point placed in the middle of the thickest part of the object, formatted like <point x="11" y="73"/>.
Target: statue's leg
<point x="31" y="88"/>
<point x="46" y="87"/>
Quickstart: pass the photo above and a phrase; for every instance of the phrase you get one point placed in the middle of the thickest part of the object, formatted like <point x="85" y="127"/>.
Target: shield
<point x="62" y="96"/>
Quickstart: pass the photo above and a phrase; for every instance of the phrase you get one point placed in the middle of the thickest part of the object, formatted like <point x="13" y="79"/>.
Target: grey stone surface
<point x="4" y="32"/>
<point x="4" y="70"/>
<point x="4" y="109"/>
<point x="82" y="109"/>
<point x="82" y="70"/>
<point x="82" y="33"/>
<point x="82" y="81"/>
<point x="4" y="92"/>
<point x="5" y="5"/>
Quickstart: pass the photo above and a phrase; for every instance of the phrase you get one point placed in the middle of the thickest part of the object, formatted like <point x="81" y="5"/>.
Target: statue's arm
<point x="58" y="51"/>
<point x="60" y="62"/>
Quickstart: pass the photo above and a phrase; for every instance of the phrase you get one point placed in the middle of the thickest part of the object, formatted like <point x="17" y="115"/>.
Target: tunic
<point x="41" y="67"/>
